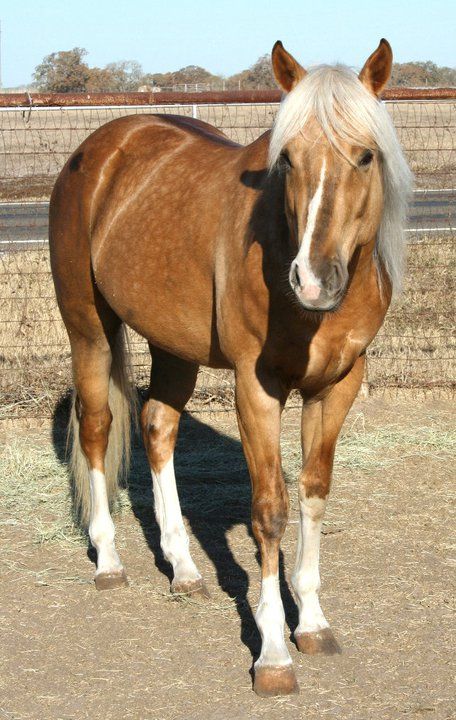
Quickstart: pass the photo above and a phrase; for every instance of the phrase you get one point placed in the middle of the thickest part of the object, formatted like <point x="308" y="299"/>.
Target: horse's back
<point x="142" y="136"/>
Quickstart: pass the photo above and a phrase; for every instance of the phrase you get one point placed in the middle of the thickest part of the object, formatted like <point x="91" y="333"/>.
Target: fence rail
<point x="415" y="348"/>
<point x="211" y="97"/>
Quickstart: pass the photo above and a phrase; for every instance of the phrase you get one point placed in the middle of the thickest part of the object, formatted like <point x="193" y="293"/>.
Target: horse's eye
<point x="366" y="158"/>
<point x="284" y="161"/>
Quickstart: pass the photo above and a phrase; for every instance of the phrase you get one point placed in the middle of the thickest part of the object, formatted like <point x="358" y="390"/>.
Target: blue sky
<point x="223" y="37"/>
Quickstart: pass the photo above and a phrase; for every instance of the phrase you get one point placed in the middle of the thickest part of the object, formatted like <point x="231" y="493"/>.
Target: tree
<point x="190" y="75"/>
<point x="421" y="74"/>
<point x="100" y="80"/>
<point x="63" y="71"/>
<point x="126" y="76"/>
<point x="66" y="71"/>
<point x="258" y="76"/>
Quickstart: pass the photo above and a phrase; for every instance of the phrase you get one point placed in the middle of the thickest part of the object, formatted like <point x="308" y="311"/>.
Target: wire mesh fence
<point x="415" y="348"/>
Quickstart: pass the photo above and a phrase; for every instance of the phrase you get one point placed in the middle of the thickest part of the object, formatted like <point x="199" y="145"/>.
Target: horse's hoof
<point x="320" y="642"/>
<point x="111" y="580"/>
<point x="271" y="680"/>
<point x="193" y="588"/>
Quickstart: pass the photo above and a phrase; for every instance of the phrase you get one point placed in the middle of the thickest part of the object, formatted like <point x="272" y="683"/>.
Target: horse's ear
<point x="377" y="68"/>
<point x="288" y="72"/>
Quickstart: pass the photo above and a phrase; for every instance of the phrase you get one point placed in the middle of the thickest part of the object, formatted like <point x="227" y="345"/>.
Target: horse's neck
<point x="368" y="293"/>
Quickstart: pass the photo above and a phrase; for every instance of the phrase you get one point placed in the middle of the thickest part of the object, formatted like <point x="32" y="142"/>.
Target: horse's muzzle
<point x="320" y="292"/>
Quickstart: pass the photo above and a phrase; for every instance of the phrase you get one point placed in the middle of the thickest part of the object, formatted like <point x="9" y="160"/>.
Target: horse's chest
<point x="330" y="358"/>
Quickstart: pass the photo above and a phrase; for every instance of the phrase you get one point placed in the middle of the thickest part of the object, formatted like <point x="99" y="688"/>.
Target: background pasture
<point x="414" y="350"/>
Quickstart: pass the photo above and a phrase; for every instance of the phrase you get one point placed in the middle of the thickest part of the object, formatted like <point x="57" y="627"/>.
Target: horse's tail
<point x="123" y="407"/>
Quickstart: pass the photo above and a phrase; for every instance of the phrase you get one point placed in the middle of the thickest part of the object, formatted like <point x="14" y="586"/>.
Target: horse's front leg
<point x="321" y="424"/>
<point x="259" y="404"/>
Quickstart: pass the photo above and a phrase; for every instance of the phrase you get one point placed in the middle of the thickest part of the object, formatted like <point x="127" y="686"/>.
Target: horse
<point x="278" y="260"/>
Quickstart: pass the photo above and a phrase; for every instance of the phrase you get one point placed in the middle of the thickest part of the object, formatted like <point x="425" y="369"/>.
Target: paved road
<point x="26" y="224"/>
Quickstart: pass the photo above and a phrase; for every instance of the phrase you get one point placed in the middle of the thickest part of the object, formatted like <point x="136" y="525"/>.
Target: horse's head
<point x="326" y="142"/>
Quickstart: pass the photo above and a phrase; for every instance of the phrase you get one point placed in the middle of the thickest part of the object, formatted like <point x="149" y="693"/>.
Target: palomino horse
<point x="277" y="259"/>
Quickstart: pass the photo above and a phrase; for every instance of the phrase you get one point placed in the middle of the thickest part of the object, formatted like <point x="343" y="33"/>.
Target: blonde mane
<point x="345" y="110"/>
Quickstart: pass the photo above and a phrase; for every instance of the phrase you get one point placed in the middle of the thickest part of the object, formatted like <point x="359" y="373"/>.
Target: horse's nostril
<point x="296" y="277"/>
<point x="335" y="279"/>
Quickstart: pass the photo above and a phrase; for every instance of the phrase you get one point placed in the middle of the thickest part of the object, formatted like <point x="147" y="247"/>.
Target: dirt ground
<point x="387" y="582"/>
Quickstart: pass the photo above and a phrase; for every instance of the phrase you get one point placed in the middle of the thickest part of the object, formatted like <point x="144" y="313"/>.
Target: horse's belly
<point x="174" y="316"/>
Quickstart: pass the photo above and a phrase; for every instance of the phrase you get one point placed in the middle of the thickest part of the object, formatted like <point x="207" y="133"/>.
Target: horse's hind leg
<point x="94" y="359"/>
<point x="172" y="383"/>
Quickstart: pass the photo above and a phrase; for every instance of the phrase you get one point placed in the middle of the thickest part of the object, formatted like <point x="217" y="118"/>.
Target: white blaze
<point x="306" y="575"/>
<point x="101" y="526"/>
<point x="173" y="539"/>
<point x="270" y="619"/>
<point x="310" y="284"/>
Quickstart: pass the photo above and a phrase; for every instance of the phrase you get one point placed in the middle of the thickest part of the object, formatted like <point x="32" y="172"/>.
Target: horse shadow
<point x="215" y="496"/>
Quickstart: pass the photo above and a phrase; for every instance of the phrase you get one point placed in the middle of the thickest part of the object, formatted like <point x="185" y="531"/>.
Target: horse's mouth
<point x="324" y="303"/>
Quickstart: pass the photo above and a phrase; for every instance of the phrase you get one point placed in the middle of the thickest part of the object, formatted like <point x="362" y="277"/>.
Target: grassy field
<point x="387" y="571"/>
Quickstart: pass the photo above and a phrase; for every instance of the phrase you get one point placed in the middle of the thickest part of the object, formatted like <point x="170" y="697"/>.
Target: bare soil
<point x="387" y="573"/>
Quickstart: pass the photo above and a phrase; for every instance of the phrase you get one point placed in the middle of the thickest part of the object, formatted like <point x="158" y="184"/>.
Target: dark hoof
<point x="271" y="681"/>
<point x="193" y="588"/>
<point x="111" y="580"/>
<point x="320" y="642"/>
